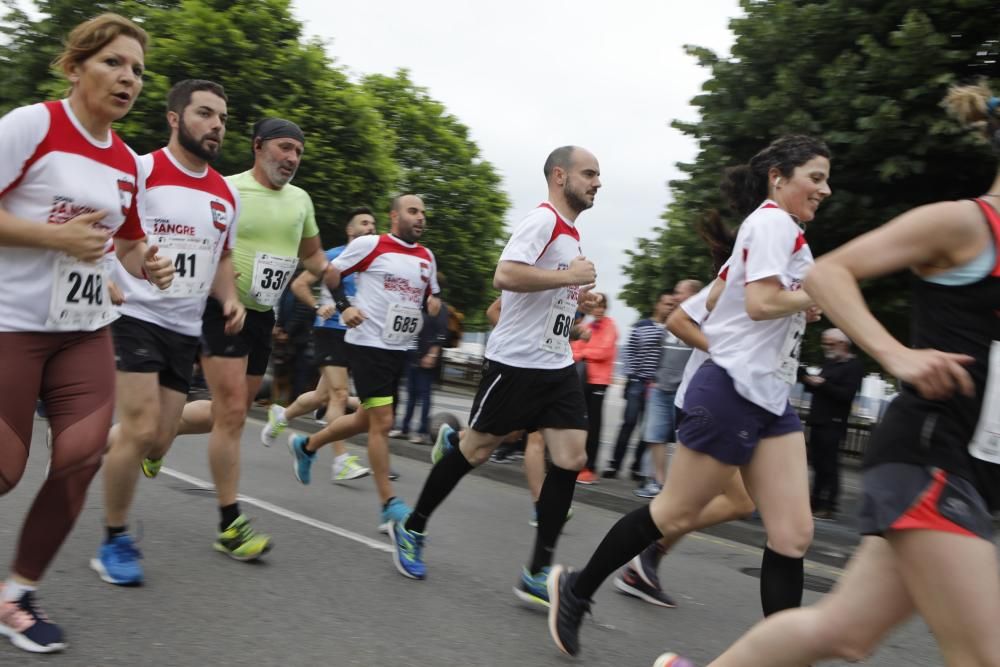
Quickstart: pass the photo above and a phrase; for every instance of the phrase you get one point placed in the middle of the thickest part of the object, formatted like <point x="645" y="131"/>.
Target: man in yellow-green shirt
<point x="277" y="228"/>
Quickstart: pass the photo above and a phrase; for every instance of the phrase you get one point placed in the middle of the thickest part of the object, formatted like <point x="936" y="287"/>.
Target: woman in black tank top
<point x="932" y="472"/>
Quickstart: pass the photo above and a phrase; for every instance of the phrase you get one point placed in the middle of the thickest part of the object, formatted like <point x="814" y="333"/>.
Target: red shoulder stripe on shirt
<point x="770" y="205"/>
<point x="560" y="228"/>
<point x="386" y="245"/>
<point x="994" y="219"/>
<point x="166" y="173"/>
<point x="63" y="137"/>
<point x="800" y="241"/>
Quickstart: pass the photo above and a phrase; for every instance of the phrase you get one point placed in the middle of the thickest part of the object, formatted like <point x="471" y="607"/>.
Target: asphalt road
<point x="329" y="594"/>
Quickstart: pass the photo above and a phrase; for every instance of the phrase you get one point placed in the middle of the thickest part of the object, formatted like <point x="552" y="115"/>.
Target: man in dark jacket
<point x="423" y="359"/>
<point x="833" y="393"/>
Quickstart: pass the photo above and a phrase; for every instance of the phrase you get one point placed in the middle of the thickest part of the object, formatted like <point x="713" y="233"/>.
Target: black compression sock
<point x="454" y="439"/>
<point x="551" y="509"/>
<point x="229" y="514"/>
<point x="444" y="477"/>
<point x="628" y="537"/>
<point x="115" y="531"/>
<point x="659" y="551"/>
<point x="781" y="581"/>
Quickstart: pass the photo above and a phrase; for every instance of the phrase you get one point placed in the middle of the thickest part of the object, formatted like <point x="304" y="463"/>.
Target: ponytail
<point x="976" y="107"/>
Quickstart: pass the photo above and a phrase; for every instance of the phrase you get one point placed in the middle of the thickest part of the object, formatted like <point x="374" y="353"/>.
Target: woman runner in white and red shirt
<point x="736" y="407"/>
<point x="931" y="472"/>
<point x="70" y="189"/>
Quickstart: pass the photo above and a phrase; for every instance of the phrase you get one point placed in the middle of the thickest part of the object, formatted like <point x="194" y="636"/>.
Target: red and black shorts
<point x="906" y="496"/>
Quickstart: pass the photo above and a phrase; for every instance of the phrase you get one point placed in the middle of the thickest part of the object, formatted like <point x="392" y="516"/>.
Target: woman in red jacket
<point x="597" y="349"/>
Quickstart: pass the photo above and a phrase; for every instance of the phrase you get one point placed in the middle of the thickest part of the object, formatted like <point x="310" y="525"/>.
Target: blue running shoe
<point x="534" y="588"/>
<point x="396" y="511"/>
<point x="441" y="445"/>
<point x="303" y="460"/>
<point x="408" y="554"/>
<point x="117" y="561"/>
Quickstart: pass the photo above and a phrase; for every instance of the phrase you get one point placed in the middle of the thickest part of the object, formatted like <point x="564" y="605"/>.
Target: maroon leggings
<point x="74" y="373"/>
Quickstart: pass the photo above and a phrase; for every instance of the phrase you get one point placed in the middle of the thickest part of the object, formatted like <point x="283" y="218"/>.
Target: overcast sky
<point x="527" y="77"/>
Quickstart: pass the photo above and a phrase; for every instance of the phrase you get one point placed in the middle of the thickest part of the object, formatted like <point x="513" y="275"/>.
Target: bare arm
<point x="302" y="288"/>
<point x="493" y="312"/>
<point x="718" y="285"/>
<point x="936" y="235"/>
<point x="224" y="290"/>
<point x="79" y="237"/>
<point x="681" y="325"/>
<point x="141" y="260"/>
<point x="312" y="256"/>
<point x="224" y="283"/>
<point x="519" y="277"/>
<point x="433" y="306"/>
<point x="766" y="299"/>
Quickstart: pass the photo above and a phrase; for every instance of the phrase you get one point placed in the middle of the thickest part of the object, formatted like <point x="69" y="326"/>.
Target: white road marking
<point x="288" y="514"/>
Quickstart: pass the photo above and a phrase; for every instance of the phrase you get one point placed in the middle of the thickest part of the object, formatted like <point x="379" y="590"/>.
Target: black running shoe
<point x="566" y="610"/>
<point x="645" y="565"/>
<point x="501" y="456"/>
<point x="629" y="582"/>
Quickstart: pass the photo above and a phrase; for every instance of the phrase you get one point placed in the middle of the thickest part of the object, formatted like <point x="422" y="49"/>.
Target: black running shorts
<point x="144" y="347"/>
<point x="510" y="399"/>
<point x="331" y="349"/>
<point x="376" y="373"/>
<point x="253" y="342"/>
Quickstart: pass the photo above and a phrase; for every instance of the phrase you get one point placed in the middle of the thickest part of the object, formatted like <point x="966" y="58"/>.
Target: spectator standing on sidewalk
<point x="642" y="359"/>
<point x="424" y="357"/>
<point x="833" y="393"/>
<point x="596" y="348"/>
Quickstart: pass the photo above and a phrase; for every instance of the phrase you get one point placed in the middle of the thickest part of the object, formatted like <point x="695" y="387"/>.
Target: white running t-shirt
<point x="191" y="217"/>
<point x="52" y="170"/>
<point x="697" y="309"/>
<point x="534" y="327"/>
<point x="761" y="357"/>
<point x="393" y="278"/>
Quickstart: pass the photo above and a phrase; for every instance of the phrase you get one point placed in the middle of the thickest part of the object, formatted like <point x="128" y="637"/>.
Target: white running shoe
<point x="348" y="469"/>
<point x="276" y="425"/>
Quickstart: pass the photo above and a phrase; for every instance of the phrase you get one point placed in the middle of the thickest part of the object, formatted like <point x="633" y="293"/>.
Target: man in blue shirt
<point x="331" y="356"/>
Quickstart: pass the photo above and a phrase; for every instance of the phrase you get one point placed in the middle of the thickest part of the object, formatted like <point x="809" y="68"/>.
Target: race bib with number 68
<point x="555" y="337"/>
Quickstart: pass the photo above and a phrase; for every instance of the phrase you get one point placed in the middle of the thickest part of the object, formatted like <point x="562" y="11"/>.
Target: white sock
<point x="12" y="590"/>
<point x="340" y="460"/>
<point x="280" y="415"/>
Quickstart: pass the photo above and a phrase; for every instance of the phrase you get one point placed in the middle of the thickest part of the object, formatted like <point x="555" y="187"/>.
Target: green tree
<point x="462" y="192"/>
<point x="868" y="77"/>
<point x="257" y="51"/>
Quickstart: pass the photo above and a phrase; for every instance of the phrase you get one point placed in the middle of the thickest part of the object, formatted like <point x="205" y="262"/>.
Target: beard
<point x="409" y="235"/>
<point x="576" y="200"/>
<point x="271" y="168"/>
<point x="196" y="146"/>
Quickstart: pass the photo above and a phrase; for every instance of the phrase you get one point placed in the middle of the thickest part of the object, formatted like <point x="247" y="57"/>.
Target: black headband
<point x="277" y="128"/>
